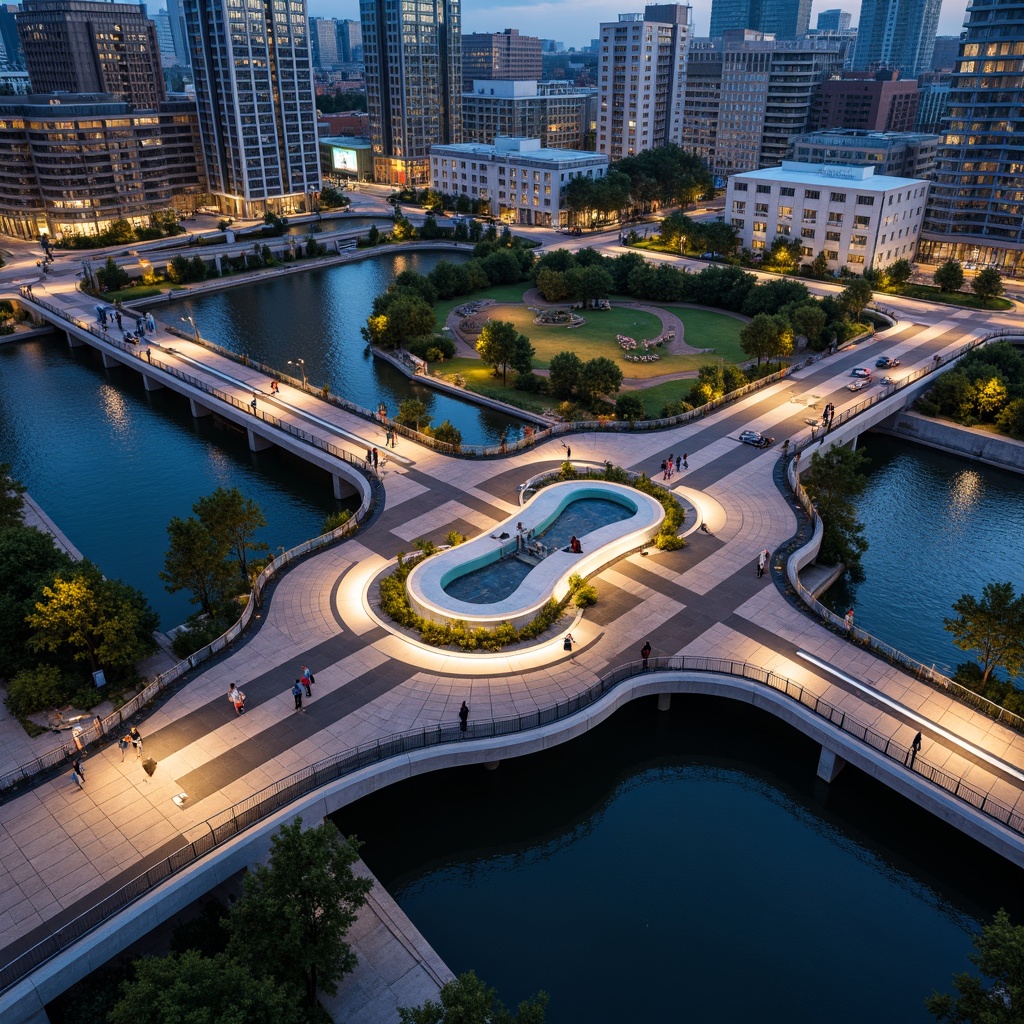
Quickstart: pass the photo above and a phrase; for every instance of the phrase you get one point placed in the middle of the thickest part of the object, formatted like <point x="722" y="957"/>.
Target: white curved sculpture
<point x="550" y="577"/>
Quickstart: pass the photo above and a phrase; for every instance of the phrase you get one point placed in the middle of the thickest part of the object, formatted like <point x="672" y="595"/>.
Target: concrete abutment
<point x="830" y="764"/>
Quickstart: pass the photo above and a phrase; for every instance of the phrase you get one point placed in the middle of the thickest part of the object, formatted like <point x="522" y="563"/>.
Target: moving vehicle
<point x="861" y="371"/>
<point x="756" y="439"/>
<point x="886" y="362"/>
<point x="888" y="381"/>
<point x="856" y="385"/>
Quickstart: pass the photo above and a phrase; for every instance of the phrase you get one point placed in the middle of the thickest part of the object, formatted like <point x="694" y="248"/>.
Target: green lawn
<point x="706" y="329"/>
<point x="932" y="294"/>
<point x="657" y="397"/>
<point x="142" y="291"/>
<point x="481" y="380"/>
<point x="500" y="293"/>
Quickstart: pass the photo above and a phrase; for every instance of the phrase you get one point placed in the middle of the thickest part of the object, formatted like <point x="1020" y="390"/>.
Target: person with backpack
<point x="307" y="681"/>
<point x="297" y="694"/>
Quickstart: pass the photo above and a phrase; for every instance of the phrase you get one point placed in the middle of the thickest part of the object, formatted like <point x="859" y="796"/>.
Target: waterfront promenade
<point x="61" y="848"/>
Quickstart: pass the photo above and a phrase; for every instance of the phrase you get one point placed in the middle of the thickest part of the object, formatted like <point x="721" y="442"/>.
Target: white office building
<point x="642" y="80"/>
<point x="522" y="182"/>
<point x="859" y="219"/>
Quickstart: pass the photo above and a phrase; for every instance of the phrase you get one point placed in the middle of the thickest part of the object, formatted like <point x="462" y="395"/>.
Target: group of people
<point x="373" y="458"/>
<point x="303" y="686"/>
<point x="673" y="464"/>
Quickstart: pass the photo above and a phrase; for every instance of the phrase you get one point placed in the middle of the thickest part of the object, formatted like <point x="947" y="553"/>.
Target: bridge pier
<point x="664" y="701"/>
<point x="342" y="488"/>
<point x="109" y="361"/>
<point x="257" y="442"/>
<point x="74" y="342"/>
<point x="217" y="264"/>
<point x="152" y="384"/>
<point x="198" y="411"/>
<point x="491" y="766"/>
<point x="830" y="764"/>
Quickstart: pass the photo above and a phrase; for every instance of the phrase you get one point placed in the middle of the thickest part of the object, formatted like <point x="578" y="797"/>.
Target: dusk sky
<point x="575" y="22"/>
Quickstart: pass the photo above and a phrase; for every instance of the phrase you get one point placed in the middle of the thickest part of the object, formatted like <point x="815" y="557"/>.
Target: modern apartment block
<point x="933" y="99"/>
<point x="748" y="94"/>
<point x="254" y="94"/>
<point x="554" y="112"/>
<point x="82" y="46"/>
<point x="856" y="218"/>
<point x="642" y="80"/>
<point x="323" y="43"/>
<point x="872" y="101"/>
<point x="499" y="55"/>
<point x="893" y="154"/>
<point x="412" y="54"/>
<point x="785" y="19"/>
<point x="945" y="53"/>
<point x="976" y="212"/>
<point x="897" y="34"/>
<point x="834" y="20"/>
<point x="74" y="164"/>
<point x="176" y="18"/>
<point x="522" y="182"/>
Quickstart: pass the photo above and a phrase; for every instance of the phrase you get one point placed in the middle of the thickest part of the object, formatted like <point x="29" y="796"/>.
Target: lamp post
<point x="195" y="330"/>
<point x="302" y="368"/>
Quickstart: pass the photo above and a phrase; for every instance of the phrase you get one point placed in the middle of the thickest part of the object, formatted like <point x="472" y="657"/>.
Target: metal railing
<point x="231" y="822"/>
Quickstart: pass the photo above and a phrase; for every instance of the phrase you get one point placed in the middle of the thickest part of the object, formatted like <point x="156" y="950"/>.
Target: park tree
<point x="501" y="345"/>
<point x="554" y="285"/>
<point x="397" y="317"/>
<point x="834" y="482"/>
<point x="589" y="284"/>
<point x="898" y="274"/>
<point x="233" y="519"/>
<point x="202" y="990"/>
<point x="783" y="255"/>
<point x="994" y="993"/>
<point x="949" y="277"/>
<point x="448" y="279"/>
<point x="296" y="911"/>
<point x="630" y="408"/>
<point x="600" y="376"/>
<point x="992" y="627"/>
<point x="197" y="562"/>
<point x="111" y="277"/>
<point x="448" y="433"/>
<point x="411" y="413"/>
<point x="988" y="283"/>
<point x="104" y="622"/>
<point x="565" y="372"/>
<point x="467" y="1000"/>
<point x="12" y="504"/>
<point x="819" y="267"/>
<point x="709" y="385"/>
<point x="808" y="319"/>
<point x="332" y="198"/>
<point x="855" y="297"/>
<point x="764" y="337"/>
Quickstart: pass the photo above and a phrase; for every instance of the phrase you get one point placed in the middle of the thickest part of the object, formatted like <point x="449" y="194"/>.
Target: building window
<point x="807" y="232"/>
<point x="862" y="222"/>
<point x="836" y="219"/>
<point x="806" y="250"/>
<point x="811" y="194"/>
<point x="782" y="229"/>
<point x="760" y="208"/>
<point x="810" y="216"/>
<point x="854" y="258"/>
<point x="838" y="197"/>
<point x="787" y="191"/>
<point x="865" y="200"/>
<point x="738" y="207"/>
<point x="831" y="254"/>
<point x="738" y="223"/>
<point x="785" y="211"/>
<point x="757" y="243"/>
<point x="858" y="240"/>
<point x="764" y="189"/>
<point x="740" y="186"/>
<point x="833" y="236"/>
<point x="760" y="225"/>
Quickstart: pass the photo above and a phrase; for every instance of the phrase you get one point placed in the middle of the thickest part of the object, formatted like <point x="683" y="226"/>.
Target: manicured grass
<point x="480" y="379"/>
<point x="932" y="294"/>
<point x="657" y="397"/>
<point x="142" y="291"/>
<point x="500" y="293"/>
<point x="706" y="329"/>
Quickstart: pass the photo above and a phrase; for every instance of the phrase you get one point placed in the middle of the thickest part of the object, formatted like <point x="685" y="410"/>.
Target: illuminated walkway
<point x="61" y="848"/>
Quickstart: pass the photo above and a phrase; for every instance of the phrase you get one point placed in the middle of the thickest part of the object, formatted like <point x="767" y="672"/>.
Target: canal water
<point x="938" y="527"/>
<point x="111" y="464"/>
<point x="317" y="316"/>
<point x="684" y="866"/>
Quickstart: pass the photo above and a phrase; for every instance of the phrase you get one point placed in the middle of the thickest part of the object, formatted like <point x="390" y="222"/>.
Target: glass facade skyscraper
<point x="254" y="93"/>
<point x="976" y="210"/>
<point x="786" y="19"/>
<point x="897" y="34"/>
<point x="412" y="54"/>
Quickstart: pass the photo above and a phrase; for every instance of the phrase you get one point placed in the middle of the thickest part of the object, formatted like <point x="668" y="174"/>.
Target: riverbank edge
<point x="944" y="435"/>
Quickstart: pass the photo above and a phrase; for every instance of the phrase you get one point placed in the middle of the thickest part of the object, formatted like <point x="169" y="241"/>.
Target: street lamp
<point x="302" y="367"/>
<point x="195" y="330"/>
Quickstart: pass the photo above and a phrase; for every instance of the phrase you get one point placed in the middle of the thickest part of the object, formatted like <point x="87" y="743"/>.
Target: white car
<point x="861" y="371"/>
<point x="856" y="385"/>
<point x="756" y="439"/>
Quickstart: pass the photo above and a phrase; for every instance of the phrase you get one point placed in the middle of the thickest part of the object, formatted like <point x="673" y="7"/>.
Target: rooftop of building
<point x="506" y="148"/>
<point x="863" y="136"/>
<point x="79" y="104"/>
<point x="523" y="88"/>
<point x="856" y="175"/>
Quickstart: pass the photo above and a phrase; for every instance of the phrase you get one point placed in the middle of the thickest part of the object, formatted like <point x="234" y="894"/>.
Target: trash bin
<point x="76" y="735"/>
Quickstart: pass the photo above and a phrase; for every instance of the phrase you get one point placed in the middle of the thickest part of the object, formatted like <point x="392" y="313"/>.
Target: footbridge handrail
<point x="234" y="820"/>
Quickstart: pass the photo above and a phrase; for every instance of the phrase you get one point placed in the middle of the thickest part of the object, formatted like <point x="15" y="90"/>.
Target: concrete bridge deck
<point x="62" y="849"/>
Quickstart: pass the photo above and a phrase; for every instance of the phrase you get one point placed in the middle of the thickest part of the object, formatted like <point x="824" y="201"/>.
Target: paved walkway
<point x="61" y="847"/>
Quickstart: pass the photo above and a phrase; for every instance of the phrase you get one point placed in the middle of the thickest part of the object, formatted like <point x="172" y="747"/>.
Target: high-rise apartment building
<point x="642" y="80"/>
<point x="499" y="55"/>
<point x="74" y="46"/>
<point x="875" y="102"/>
<point x="932" y="103"/>
<point x="785" y="19"/>
<point x="323" y="43"/>
<point x="412" y="55"/>
<point x="254" y="94"/>
<point x="976" y="209"/>
<point x="164" y="39"/>
<point x="898" y="34"/>
<point x="14" y="55"/>
<point x="176" y="17"/>
<point x="350" y="41"/>
<point x="748" y="94"/>
<point x="945" y="53"/>
<point x="834" y="20"/>
<point x="554" y="112"/>
<point x="894" y="154"/>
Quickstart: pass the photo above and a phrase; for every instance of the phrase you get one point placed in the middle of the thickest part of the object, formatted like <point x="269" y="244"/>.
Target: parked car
<point x="861" y="371"/>
<point x="886" y="362"/>
<point x="710" y="255"/>
<point x="888" y="381"/>
<point x="856" y="385"/>
<point x="756" y="439"/>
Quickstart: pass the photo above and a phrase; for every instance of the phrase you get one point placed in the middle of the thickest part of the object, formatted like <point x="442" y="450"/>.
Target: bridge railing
<point x="205" y="837"/>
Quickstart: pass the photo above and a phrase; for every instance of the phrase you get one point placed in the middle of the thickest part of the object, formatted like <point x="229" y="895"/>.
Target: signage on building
<point x="344" y="160"/>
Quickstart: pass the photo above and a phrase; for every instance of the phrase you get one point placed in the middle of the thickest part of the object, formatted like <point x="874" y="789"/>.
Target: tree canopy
<point x="11" y="501"/>
<point x="467" y="1000"/>
<point x="950" y="276"/>
<point x="993" y="627"/>
<point x="233" y="519"/>
<point x="834" y="481"/>
<point x="501" y="345"/>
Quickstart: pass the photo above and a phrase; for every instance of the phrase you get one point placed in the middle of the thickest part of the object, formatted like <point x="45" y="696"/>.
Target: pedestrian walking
<point x="679" y="462"/>
<point x="387" y="438"/>
<point x="568" y="450"/>
<point x="568" y="642"/>
<point x="307" y="681"/>
<point x="136" y="742"/>
<point x="274" y="387"/>
<point x="77" y="766"/>
<point x="253" y="403"/>
<point x="123" y="743"/>
<point x="149" y="355"/>
<point x="463" y="716"/>
<point x="761" y="562"/>
<point x="117" y="317"/>
<point x="915" y="749"/>
<point x="369" y="459"/>
<point x="645" y="652"/>
<point x="686" y="464"/>
<point x="237" y="698"/>
<point x="376" y="458"/>
<point x="76" y="775"/>
<point x="297" y="694"/>
<point x="664" y="473"/>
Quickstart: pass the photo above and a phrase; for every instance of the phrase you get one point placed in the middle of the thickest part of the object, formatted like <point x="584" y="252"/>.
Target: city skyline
<point x="575" y="22"/>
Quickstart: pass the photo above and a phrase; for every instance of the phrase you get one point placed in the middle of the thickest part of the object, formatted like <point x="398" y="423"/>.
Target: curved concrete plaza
<point x="62" y="848"/>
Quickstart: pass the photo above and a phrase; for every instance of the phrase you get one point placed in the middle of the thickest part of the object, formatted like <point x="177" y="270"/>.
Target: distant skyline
<point x="574" y="22"/>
